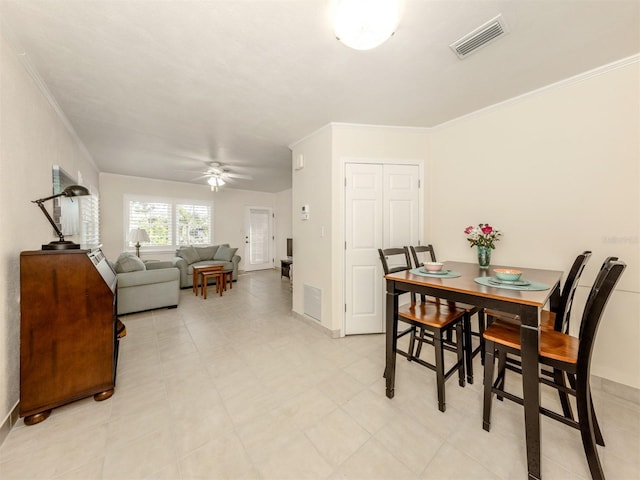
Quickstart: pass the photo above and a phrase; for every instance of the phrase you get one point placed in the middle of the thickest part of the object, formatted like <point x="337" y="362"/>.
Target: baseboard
<point x="317" y="325"/>
<point x="625" y="392"/>
<point x="9" y="422"/>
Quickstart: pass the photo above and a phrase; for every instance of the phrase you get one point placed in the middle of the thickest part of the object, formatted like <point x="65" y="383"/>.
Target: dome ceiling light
<point x="365" y="24"/>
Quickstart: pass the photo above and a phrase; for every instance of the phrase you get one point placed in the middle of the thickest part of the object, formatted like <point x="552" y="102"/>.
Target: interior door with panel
<point x="381" y="210"/>
<point x="363" y="235"/>
<point x="258" y="239"/>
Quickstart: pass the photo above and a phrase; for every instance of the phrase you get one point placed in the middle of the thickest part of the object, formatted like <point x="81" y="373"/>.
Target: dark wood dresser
<point x="68" y="341"/>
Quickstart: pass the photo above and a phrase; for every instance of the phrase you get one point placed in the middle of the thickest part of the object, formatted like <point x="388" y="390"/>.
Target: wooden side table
<point x="218" y="274"/>
<point x="199" y="270"/>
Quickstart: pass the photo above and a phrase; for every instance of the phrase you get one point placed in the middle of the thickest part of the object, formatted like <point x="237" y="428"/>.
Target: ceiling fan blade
<point x="238" y="175"/>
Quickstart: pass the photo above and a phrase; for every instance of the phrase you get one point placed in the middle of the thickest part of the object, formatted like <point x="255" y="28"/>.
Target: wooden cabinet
<point x="68" y="343"/>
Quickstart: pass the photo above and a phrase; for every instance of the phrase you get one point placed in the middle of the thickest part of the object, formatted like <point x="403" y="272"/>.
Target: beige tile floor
<point x="235" y="387"/>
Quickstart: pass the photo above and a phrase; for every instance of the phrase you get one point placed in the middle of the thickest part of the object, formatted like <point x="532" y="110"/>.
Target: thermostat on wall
<point x="304" y="212"/>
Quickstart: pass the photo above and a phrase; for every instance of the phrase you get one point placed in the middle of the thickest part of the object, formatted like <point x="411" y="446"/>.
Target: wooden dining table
<point x="523" y="303"/>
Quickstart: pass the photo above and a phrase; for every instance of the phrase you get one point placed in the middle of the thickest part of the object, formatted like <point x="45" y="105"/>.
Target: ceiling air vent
<point x="481" y="36"/>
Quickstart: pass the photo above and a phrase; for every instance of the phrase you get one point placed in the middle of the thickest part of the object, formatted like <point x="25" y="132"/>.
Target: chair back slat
<point x="399" y="261"/>
<point x="568" y="292"/>
<point x="422" y="249"/>
<point x="596" y="302"/>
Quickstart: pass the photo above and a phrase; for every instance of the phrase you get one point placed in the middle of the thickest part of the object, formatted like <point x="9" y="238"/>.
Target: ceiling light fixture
<point x="215" y="181"/>
<point x="365" y="24"/>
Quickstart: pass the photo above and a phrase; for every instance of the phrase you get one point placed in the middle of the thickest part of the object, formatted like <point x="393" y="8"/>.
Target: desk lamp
<point x="61" y="244"/>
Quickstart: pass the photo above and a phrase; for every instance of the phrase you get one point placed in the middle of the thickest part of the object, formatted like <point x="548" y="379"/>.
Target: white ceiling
<point x="157" y="88"/>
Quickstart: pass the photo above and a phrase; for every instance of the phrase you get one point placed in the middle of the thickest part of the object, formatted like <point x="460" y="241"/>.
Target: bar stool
<point x="562" y="352"/>
<point x="471" y="310"/>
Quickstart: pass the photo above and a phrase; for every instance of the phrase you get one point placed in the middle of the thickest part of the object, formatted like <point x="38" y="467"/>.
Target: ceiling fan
<point x="218" y="175"/>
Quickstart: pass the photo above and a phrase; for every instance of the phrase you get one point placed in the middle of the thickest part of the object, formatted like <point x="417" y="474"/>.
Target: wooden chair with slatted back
<point x="471" y="310"/>
<point x="435" y="318"/>
<point x="556" y="319"/>
<point x="564" y="352"/>
<point x="400" y="262"/>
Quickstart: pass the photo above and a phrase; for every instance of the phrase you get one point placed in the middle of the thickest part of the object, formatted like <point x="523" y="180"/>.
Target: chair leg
<point x="419" y="349"/>
<point x="468" y="347"/>
<point x="558" y="378"/>
<point x="412" y="343"/>
<point x="439" y="356"/>
<point x="583" y="401"/>
<point x="488" y="383"/>
<point x="502" y="371"/>
<point x="461" y="354"/>
<point x="596" y="427"/>
<point x="481" y="326"/>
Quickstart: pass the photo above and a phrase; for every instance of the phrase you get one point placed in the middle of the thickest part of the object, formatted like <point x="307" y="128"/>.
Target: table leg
<point x="531" y="389"/>
<point x="468" y="347"/>
<point x="195" y="282"/>
<point x="391" y="339"/>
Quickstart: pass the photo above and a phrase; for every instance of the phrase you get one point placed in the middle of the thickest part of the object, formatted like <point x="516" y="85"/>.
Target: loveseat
<point x="187" y="257"/>
<point x="145" y="285"/>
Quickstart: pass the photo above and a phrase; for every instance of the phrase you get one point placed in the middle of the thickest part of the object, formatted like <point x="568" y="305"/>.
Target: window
<point x="194" y="224"/>
<point x="89" y="220"/>
<point x="169" y="222"/>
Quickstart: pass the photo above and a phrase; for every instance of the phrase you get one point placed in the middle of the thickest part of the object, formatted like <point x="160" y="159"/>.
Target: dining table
<point x="471" y="285"/>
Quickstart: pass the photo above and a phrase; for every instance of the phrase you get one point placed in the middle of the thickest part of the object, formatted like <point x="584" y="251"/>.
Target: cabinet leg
<point x="98" y="397"/>
<point x="37" y="417"/>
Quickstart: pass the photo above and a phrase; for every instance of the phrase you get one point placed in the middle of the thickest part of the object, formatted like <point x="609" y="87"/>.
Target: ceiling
<point x="158" y="88"/>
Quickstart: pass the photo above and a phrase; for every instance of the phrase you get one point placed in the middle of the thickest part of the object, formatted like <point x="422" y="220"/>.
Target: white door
<point x="258" y="238"/>
<point x="382" y="210"/>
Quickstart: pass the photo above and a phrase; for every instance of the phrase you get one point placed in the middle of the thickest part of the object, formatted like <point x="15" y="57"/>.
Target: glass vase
<point x="484" y="256"/>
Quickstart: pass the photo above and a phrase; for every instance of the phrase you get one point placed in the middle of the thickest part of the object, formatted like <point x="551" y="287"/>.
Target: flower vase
<point x="484" y="256"/>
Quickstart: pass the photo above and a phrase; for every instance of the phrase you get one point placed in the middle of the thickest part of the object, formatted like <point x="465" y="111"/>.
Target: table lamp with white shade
<point x="138" y="235"/>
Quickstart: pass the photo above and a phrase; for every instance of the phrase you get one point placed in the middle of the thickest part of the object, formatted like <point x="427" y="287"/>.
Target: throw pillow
<point x="206" y="253"/>
<point x="189" y="254"/>
<point x="225" y="253"/>
<point x="128" y="262"/>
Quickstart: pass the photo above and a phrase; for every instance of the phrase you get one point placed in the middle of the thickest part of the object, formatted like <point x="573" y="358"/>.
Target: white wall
<point x="558" y="172"/>
<point x="283" y="227"/>
<point x="313" y="186"/>
<point x="228" y="210"/>
<point x="33" y="138"/>
<point x="319" y="260"/>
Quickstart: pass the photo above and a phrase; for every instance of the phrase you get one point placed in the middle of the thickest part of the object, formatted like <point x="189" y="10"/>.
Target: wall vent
<point x="313" y="302"/>
<point x="480" y="37"/>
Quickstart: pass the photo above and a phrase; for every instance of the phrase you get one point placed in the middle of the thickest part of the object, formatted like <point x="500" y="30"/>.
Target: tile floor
<point x="235" y="387"/>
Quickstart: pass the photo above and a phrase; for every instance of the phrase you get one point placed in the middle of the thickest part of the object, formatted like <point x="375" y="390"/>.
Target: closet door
<point x="382" y="210"/>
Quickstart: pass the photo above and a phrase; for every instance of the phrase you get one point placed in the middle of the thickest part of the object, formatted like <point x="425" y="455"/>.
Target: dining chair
<point x="435" y="319"/>
<point x="564" y="352"/>
<point x="556" y="319"/>
<point x="399" y="259"/>
<point x="470" y="310"/>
